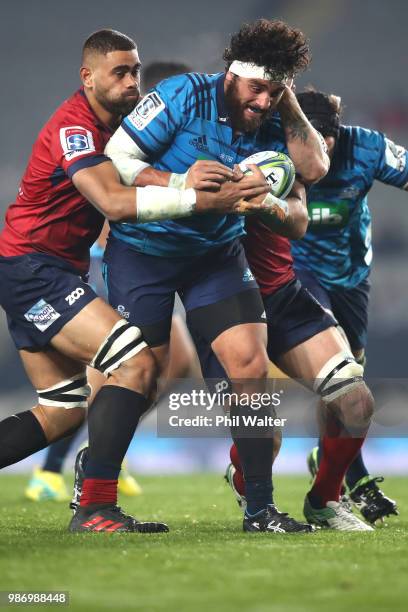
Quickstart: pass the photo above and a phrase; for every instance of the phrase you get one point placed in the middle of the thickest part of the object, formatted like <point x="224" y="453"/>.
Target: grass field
<point x="206" y="562"/>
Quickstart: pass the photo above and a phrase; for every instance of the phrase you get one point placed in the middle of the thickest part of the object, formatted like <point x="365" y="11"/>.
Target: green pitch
<point x="205" y="563"/>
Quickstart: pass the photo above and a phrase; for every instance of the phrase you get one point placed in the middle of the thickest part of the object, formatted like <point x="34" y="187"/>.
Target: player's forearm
<point x="306" y="147"/>
<point x="101" y="187"/>
<point x="292" y="224"/>
<point x="131" y="163"/>
<point x="295" y="224"/>
<point x="146" y="204"/>
<point x="151" y="176"/>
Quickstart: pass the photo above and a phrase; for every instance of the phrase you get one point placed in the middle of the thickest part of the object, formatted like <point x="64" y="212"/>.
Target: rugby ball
<point x="277" y="168"/>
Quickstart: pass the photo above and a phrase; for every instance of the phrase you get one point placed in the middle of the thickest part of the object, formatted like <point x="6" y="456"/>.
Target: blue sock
<point x="319" y="451"/>
<point x="356" y="471"/>
<point x="258" y="495"/>
<point x="56" y="454"/>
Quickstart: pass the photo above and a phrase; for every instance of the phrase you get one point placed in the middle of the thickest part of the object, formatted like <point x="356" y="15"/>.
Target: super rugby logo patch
<point x="42" y="315"/>
<point x="75" y="141"/>
<point x="146" y="110"/>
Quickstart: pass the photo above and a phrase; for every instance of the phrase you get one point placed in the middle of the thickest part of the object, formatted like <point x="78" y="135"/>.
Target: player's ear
<point x="86" y="76"/>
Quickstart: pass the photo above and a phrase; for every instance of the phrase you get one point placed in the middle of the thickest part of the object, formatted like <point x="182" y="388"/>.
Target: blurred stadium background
<point x="359" y="52"/>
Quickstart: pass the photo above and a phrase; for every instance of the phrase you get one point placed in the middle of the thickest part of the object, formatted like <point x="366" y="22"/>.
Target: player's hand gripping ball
<point x="279" y="172"/>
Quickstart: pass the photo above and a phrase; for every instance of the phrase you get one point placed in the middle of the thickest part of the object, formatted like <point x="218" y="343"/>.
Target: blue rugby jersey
<point x="184" y="119"/>
<point x="337" y="246"/>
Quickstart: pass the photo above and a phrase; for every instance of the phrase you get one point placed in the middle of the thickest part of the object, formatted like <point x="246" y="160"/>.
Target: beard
<point x="120" y="106"/>
<point x="239" y="120"/>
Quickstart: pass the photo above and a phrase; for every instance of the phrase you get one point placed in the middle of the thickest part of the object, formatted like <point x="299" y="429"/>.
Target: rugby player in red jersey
<point x="305" y="344"/>
<point x="56" y="320"/>
<point x="47" y="483"/>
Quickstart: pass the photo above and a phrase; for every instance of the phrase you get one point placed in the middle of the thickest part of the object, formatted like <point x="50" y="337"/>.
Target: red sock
<point x="238" y="478"/>
<point x="99" y="491"/>
<point x="235" y="460"/>
<point x="239" y="482"/>
<point x="337" y="455"/>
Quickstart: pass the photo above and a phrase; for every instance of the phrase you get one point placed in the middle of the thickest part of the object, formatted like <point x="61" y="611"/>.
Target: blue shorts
<point x="349" y="306"/>
<point x="142" y="287"/>
<point x="293" y="316"/>
<point x="40" y="294"/>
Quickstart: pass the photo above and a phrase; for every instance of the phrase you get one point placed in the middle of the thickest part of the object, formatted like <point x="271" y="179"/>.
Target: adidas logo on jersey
<point x="247" y="276"/>
<point x="200" y="143"/>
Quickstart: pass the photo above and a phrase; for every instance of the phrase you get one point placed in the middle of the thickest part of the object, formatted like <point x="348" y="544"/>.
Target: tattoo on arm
<point x="295" y="126"/>
<point x="297" y="130"/>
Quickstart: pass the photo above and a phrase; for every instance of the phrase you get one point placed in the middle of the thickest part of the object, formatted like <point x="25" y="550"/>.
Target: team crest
<point x="147" y="109"/>
<point x="75" y="141"/>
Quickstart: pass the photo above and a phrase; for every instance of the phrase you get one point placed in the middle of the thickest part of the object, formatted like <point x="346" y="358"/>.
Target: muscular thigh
<point x="83" y="335"/>
<point x="242" y="350"/>
<point x="306" y="360"/>
<point x="48" y="367"/>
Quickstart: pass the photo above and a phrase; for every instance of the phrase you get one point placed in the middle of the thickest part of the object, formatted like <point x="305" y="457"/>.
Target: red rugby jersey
<point x="268" y="255"/>
<point x="49" y="215"/>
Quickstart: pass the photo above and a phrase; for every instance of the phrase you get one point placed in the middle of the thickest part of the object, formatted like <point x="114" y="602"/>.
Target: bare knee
<point x="249" y="364"/>
<point x="139" y="373"/>
<point x="59" y="422"/>
<point x="355" y="408"/>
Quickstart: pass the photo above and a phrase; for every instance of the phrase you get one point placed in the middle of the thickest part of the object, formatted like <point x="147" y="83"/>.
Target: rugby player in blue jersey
<point x="333" y="260"/>
<point x="211" y="117"/>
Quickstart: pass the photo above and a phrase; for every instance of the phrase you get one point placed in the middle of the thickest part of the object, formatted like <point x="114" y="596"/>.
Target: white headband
<point x="253" y="71"/>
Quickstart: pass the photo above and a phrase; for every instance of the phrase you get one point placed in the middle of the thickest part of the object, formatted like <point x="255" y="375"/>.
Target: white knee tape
<point x="123" y="342"/>
<point x="70" y="393"/>
<point x="338" y="376"/>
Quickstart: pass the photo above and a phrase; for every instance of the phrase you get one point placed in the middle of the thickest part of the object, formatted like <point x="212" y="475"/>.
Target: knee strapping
<point x="70" y="393"/>
<point x="338" y="376"/>
<point x="123" y="342"/>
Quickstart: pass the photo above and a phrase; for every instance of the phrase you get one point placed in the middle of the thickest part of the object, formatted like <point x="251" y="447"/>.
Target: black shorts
<point x="142" y="289"/>
<point x="349" y="306"/>
<point x="293" y="316"/>
<point x="40" y="294"/>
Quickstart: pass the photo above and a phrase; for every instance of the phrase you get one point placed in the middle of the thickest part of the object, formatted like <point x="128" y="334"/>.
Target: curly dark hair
<point x="272" y="44"/>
